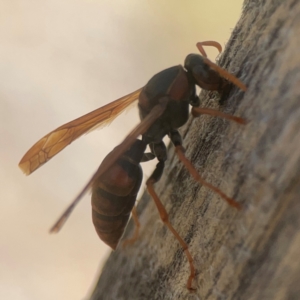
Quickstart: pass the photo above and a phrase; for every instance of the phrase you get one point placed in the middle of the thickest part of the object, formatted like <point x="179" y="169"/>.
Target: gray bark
<point x="248" y="254"/>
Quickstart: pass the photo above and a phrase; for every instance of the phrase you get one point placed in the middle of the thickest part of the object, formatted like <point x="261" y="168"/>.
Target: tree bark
<point x="249" y="254"/>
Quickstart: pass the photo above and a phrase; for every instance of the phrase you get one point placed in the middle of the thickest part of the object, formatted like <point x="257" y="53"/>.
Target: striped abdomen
<point x="113" y="197"/>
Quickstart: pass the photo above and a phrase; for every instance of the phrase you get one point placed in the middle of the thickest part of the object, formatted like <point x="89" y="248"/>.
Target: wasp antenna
<point x="226" y="75"/>
<point x="208" y="43"/>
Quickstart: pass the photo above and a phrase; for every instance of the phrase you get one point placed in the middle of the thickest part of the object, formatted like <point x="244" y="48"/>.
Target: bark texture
<point x="248" y="254"/>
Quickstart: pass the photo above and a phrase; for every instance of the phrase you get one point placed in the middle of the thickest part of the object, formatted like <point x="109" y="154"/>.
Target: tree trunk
<point x="249" y="254"/>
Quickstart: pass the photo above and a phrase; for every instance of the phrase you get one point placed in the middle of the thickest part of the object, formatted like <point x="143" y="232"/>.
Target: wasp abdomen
<point x="113" y="198"/>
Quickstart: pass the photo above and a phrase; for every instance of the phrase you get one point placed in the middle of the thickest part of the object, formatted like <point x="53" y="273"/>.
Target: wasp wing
<point x="141" y="128"/>
<point x="58" y="139"/>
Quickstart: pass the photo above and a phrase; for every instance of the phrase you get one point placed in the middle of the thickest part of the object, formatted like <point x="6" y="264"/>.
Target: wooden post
<point x="249" y="254"/>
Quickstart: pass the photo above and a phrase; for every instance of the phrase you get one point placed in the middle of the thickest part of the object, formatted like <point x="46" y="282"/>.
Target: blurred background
<point x="58" y="61"/>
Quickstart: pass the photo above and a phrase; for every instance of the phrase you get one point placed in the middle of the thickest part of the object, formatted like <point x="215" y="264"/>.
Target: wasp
<point x="163" y="105"/>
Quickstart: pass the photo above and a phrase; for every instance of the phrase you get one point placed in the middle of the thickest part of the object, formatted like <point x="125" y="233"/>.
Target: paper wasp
<point x="163" y="108"/>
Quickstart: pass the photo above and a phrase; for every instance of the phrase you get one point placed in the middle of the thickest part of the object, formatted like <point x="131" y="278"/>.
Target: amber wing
<point x="58" y="139"/>
<point x="112" y="157"/>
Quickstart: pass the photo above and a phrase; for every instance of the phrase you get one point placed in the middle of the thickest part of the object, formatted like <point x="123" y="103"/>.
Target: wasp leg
<point x="194" y="99"/>
<point x="147" y="156"/>
<point x="165" y="218"/>
<point x="197" y="111"/>
<point x="180" y="153"/>
<point x="137" y="223"/>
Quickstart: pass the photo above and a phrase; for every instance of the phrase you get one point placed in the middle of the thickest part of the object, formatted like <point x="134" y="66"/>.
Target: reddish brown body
<point x="163" y="107"/>
<point x="114" y="194"/>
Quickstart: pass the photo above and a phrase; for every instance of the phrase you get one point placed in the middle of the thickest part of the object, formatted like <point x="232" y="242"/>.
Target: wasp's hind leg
<point x="129" y="241"/>
<point x="160" y="149"/>
<point x="135" y="235"/>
